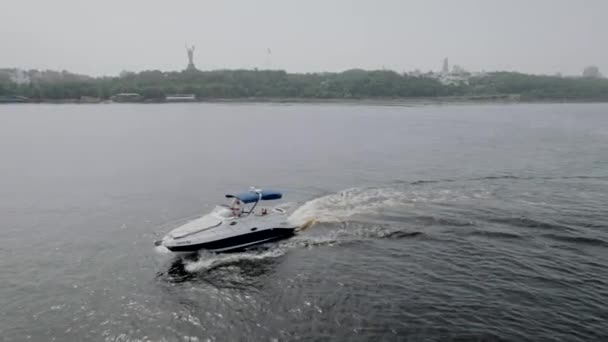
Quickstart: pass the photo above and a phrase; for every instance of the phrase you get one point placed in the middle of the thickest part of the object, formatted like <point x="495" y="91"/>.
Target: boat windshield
<point x="222" y="211"/>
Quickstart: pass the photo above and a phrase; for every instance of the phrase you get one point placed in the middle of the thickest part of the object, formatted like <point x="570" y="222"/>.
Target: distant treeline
<point x="352" y="84"/>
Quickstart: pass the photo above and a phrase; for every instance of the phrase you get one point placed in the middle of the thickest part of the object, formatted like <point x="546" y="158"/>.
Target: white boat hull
<point x="222" y="234"/>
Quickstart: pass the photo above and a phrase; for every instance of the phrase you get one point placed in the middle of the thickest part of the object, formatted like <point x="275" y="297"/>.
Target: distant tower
<point x="592" y="72"/>
<point x="268" y="57"/>
<point x="446" y="66"/>
<point x="190" y="51"/>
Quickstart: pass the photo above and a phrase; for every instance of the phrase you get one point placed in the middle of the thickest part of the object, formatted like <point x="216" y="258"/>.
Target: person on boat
<point x="264" y="211"/>
<point x="236" y="207"/>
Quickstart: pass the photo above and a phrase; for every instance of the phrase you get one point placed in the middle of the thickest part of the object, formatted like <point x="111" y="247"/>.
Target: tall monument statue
<point x="446" y="67"/>
<point x="190" y="51"/>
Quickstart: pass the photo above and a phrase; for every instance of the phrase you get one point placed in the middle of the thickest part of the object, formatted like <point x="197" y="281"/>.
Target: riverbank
<point x="279" y="86"/>
<point x="507" y="99"/>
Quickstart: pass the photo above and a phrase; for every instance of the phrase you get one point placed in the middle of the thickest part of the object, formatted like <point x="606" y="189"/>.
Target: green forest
<point x="154" y="85"/>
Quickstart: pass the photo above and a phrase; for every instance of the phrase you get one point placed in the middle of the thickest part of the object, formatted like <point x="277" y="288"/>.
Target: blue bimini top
<point x="252" y="196"/>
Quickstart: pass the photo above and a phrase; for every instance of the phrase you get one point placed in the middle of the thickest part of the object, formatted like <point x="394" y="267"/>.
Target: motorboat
<point x="235" y="227"/>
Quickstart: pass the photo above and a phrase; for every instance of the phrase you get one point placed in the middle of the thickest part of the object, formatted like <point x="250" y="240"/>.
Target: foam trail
<point x="208" y="261"/>
<point x="345" y="204"/>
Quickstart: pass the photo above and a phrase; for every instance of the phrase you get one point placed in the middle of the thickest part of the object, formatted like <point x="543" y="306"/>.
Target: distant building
<point x="20" y="77"/>
<point x="457" y="76"/>
<point x="127" y="97"/>
<point x="453" y="79"/>
<point x="458" y="70"/>
<point x="17" y="76"/>
<point x="89" y="99"/>
<point x="415" y="73"/>
<point x="592" y="72"/>
<point x="180" y="98"/>
<point x="13" y="99"/>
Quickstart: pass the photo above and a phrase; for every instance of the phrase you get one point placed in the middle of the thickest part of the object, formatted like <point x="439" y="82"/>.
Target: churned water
<point x="433" y="223"/>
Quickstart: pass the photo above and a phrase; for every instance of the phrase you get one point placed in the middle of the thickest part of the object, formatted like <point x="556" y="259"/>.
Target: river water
<point x="434" y="223"/>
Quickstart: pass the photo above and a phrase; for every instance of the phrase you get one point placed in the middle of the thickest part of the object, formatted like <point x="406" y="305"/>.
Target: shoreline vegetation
<point x="361" y="101"/>
<point x="352" y="86"/>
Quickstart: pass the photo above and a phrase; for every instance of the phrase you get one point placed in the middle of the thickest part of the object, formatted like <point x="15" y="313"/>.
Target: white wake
<point x="350" y="203"/>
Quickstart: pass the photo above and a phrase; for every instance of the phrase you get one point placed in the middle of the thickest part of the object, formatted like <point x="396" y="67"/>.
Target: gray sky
<point x="106" y="37"/>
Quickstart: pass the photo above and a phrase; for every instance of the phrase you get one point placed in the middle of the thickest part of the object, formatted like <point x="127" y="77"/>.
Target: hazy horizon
<point x="105" y="38"/>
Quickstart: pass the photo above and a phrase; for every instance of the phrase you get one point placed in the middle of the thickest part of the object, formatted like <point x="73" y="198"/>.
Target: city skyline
<point x="542" y="37"/>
